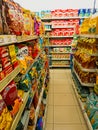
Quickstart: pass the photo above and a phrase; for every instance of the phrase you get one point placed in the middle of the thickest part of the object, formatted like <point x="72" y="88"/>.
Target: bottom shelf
<point x="60" y="66"/>
<point x="18" y="116"/>
<point x="82" y="108"/>
<point x="45" y="115"/>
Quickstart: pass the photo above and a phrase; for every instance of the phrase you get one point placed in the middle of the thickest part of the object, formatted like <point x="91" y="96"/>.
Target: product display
<point x="32" y="43"/>
<point x="64" y="24"/>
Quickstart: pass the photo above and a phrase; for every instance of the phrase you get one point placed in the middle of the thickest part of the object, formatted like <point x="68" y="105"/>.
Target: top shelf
<point x="62" y="18"/>
<point x="11" y="39"/>
<point x="89" y="35"/>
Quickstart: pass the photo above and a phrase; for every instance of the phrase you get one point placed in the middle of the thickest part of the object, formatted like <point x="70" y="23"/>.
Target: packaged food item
<point x="12" y="53"/>
<point x="25" y="84"/>
<point x="9" y="94"/>
<point x="94" y="121"/>
<point x="13" y="17"/>
<point x="4" y="22"/>
<point x="28" y="22"/>
<point x="3" y="52"/>
<point x="5" y="116"/>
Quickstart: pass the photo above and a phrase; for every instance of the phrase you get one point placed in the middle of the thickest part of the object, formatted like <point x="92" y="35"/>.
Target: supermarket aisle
<point x="63" y="110"/>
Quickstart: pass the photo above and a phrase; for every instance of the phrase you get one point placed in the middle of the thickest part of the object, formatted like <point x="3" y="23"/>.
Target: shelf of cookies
<point x="83" y="69"/>
<point x="83" y="84"/>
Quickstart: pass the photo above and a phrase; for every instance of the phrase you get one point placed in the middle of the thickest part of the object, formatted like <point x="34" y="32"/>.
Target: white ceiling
<point x="38" y="5"/>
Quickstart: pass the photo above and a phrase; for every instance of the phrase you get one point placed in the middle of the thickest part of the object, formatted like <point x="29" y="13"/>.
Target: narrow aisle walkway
<point x="63" y="110"/>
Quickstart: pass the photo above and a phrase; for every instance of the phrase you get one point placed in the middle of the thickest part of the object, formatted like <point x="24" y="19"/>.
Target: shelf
<point x="62" y="18"/>
<point x="87" y="121"/>
<point x="18" y="116"/>
<point x="63" y="26"/>
<point x="47" y="23"/>
<point x="59" y="46"/>
<point x="7" y="43"/>
<point x="4" y="82"/>
<point x="32" y="64"/>
<point x="60" y="59"/>
<point x="26" y="38"/>
<point x="83" y="84"/>
<point x="86" y="52"/>
<point x="45" y="114"/>
<point x="7" y="39"/>
<point x="25" y="119"/>
<point x="83" y="69"/>
<point x="74" y="17"/>
<point x="39" y="103"/>
<point x="89" y="35"/>
<point x="38" y="107"/>
<point x="60" y="52"/>
<point x="60" y="66"/>
<point x="48" y="29"/>
<point x="60" y="36"/>
<point x="11" y="39"/>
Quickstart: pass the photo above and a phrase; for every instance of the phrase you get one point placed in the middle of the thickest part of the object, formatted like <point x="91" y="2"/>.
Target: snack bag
<point x="25" y="84"/>
<point x="27" y="22"/>
<point x="9" y="94"/>
<point x="5" y="116"/>
<point x="94" y="119"/>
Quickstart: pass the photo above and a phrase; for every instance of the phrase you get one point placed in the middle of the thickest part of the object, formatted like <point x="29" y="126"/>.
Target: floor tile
<point x="50" y="114"/>
<point x="68" y="127"/>
<point x="49" y="127"/>
<point x="50" y="99"/>
<point x="66" y="114"/>
<point x="51" y="90"/>
<point x="80" y="115"/>
<point x="64" y="99"/>
<point x="61" y="89"/>
<point x="60" y="83"/>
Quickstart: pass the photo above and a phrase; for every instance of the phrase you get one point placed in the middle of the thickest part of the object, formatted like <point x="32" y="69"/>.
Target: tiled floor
<point x="63" y="109"/>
